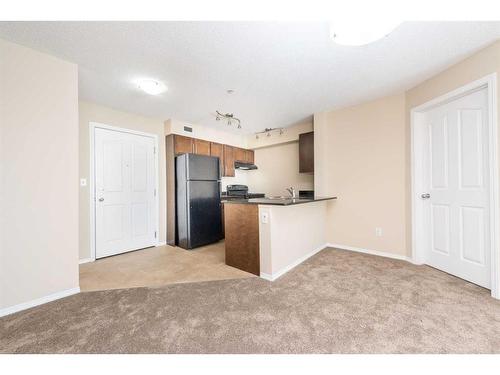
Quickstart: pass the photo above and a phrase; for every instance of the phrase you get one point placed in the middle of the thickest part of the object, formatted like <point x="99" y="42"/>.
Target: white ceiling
<point x="282" y="72"/>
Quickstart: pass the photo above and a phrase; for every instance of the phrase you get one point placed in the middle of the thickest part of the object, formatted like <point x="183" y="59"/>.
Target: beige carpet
<point x="336" y="302"/>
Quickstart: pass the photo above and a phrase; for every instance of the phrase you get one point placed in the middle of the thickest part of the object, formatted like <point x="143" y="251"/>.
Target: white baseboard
<point x="371" y="252"/>
<point x="281" y="272"/>
<point x="86" y="260"/>
<point x="162" y="243"/>
<point x="38" y="301"/>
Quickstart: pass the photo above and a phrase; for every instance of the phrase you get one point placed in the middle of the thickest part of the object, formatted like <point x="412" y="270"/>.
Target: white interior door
<point x="456" y="174"/>
<point x="125" y="183"/>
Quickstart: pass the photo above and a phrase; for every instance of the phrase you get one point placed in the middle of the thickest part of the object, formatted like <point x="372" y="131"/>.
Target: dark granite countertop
<point x="278" y="201"/>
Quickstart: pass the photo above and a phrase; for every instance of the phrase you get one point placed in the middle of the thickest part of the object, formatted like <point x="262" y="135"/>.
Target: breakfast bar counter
<point x="285" y="201"/>
<point x="268" y="237"/>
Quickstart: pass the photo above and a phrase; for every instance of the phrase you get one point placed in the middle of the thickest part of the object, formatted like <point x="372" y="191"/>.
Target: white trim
<point x="92" y="127"/>
<point x="490" y="83"/>
<point x="38" y="301"/>
<point x="281" y="272"/>
<point x="162" y="243"/>
<point x="371" y="252"/>
<point x="86" y="260"/>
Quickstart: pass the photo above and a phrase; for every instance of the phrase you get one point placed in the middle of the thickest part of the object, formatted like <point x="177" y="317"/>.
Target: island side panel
<point x="294" y="234"/>
<point x="242" y="237"/>
<point x="266" y="270"/>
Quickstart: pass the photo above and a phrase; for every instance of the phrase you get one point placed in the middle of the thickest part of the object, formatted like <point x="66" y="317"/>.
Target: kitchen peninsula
<point x="268" y="237"/>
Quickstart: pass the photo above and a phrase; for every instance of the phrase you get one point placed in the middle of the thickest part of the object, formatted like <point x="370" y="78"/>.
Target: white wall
<point x="278" y="169"/>
<point x="38" y="176"/>
<point x="91" y="112"/>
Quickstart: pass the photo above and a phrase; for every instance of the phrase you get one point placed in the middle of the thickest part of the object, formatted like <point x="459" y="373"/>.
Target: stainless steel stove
<point x="240" y="192"/>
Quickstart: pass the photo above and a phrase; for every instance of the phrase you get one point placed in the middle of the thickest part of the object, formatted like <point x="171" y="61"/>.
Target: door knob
<point x="101" y="199"/>
<point x="425" y="196"/>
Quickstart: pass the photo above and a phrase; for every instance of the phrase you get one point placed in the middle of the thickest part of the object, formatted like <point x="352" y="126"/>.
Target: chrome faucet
<point x="291" y="190"/>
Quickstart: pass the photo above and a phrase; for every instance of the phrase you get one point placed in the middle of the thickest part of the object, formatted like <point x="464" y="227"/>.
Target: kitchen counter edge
<point x="277" y="202"/>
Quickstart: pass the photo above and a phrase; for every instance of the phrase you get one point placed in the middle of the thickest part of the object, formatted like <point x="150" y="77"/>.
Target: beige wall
<point x="90" y="112"/>
<point x="479" y="65"/>
<point x="289" y="134"/>
<point x="38" y="175"/>
<point x="277" y="158"/>
<point x="362" y="154"/>
<point x="364" y="165"/>
<point x="278" y="169"/>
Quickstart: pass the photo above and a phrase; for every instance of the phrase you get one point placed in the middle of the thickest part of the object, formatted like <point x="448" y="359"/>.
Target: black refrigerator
<point x="198" y="203"/>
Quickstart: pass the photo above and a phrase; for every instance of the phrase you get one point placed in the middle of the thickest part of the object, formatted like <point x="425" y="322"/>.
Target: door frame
<point x="417" y="173"/>
<point x="92" y="232"/>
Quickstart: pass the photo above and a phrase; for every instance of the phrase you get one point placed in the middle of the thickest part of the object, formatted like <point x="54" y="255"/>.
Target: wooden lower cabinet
<point x="241" y="222"/>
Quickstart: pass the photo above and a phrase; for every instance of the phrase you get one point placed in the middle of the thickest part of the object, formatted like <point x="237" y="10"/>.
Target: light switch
<point x="264" y="217"/>
<point x="83" y="182"/>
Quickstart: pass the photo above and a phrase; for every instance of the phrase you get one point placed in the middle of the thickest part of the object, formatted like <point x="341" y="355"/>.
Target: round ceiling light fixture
<point x="360" y="33"/>
<point x="151" y="86"/>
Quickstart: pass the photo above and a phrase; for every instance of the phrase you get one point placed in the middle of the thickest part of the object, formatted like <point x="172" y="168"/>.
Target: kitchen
<point x="254" y="165"/>
<point x="282" y="168"/>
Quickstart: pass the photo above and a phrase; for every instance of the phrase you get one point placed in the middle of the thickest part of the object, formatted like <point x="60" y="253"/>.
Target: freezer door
<point x="204" y="209"/>
<point x="202" y="168"/>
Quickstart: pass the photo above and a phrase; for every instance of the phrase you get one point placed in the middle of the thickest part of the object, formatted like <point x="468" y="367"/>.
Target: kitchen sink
<point x="280" y="197"/>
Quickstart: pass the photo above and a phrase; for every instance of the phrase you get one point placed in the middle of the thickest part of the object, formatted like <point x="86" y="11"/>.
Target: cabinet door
<point x="183" y="145"/>
<point x="249" y="156"/>
<point x="201" y="147"/>
<point x="228" y="161"/>
<point x="306" y="152"/>
<point x="217" y="150"/>
<point x="239" y="154"/>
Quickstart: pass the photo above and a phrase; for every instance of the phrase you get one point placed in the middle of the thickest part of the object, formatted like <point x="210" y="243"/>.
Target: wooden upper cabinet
<point x="249" y="156"/>
<point x="229" y="152"/>
<point x="240" y="154"/>
<point x="183" y="145"/>
<point x="306" y="152"/>
<point x="217" y="150"/>
<point x="201" y="147"/>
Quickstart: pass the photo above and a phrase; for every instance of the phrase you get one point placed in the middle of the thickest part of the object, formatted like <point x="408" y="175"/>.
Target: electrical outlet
<point x="264" y="217"/>
<point x="378" y="232"/>
<point x="83" y="182"/>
